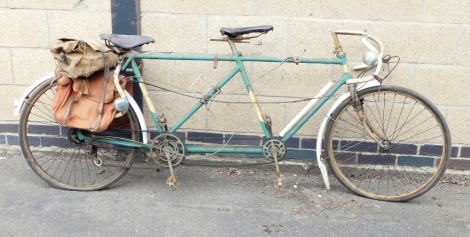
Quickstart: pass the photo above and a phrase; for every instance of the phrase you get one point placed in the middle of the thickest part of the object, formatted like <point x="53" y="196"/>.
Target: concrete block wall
<point x="430" y="36"/>
<point x="29" y="28"/>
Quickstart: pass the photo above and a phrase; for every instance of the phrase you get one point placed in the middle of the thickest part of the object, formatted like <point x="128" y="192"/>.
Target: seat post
<point x="233" y="47"/>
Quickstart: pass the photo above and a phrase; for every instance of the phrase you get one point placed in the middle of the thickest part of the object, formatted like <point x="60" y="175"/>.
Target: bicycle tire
<point x="53" y="152"/>
<point x="416" y="139"/>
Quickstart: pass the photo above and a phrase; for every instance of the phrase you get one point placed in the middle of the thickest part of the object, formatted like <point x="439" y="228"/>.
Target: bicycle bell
<point x="370" y="58"/>
<point x="121" y="104"/>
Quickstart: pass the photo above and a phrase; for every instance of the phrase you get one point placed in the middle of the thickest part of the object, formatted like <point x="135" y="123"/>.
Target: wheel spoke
<point x="401" y="168"/>
<point x="62" y="161"/>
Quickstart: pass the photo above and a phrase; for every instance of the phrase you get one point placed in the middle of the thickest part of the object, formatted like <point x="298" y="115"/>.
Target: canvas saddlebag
<point x="77" y="58"/>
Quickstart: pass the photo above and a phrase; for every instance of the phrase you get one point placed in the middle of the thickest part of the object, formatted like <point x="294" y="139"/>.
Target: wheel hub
<point x="386" y="145"/>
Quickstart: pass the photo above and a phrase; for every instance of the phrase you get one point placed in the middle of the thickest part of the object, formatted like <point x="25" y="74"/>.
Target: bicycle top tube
<point x="341" y="60"/>
<point x="129" y="41"/>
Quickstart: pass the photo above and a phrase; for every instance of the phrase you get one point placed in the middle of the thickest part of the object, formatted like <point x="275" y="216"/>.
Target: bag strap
<point x="73" y="100"/>
<point x="103" y="92"/>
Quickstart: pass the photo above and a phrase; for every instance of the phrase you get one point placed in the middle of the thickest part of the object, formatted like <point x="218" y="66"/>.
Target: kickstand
<point x="171" y="181"/>
<point x="278" y="182"/>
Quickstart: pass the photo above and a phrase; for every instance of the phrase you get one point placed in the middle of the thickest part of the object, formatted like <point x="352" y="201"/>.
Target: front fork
<point x="375" y="134"/>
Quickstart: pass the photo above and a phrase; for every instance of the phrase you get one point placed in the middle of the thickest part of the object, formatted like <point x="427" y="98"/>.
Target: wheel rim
<point x="408" y="163"/>
<point x="55" y="155"/>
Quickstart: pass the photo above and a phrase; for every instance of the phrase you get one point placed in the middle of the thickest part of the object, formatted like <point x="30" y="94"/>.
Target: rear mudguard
<point x="19" y="103"/>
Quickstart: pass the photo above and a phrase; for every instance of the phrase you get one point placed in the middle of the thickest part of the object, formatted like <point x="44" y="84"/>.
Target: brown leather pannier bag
<point x="85" y="87"/>
<point x="80" y="102"/>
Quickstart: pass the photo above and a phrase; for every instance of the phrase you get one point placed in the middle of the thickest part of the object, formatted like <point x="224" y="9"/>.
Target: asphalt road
<point x="219" y="202"/>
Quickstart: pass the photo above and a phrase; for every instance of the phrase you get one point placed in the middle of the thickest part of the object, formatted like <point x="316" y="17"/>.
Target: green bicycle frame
<point x="239" y="68"/>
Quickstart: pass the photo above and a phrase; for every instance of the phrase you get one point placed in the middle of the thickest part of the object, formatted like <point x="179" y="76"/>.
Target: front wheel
<point x="59" y="157"/>
<point x="408" y="156"/>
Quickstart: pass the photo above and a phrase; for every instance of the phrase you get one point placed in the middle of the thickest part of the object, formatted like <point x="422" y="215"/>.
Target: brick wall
<point x="430" y="36"/>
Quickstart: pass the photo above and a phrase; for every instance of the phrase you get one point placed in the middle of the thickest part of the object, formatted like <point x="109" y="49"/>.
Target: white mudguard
<point x="321" y="131"/>
<point x="20" y="102"/>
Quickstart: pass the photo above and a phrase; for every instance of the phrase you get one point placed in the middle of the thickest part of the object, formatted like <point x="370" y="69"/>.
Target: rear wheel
<point x="58" y="156"/>
<point x="411" y="152"/>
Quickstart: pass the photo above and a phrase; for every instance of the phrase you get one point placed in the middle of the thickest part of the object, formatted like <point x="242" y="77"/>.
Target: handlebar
<point x="365" y="41"/>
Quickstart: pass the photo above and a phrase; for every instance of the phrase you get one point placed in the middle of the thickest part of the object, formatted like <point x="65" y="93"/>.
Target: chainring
<point x="168" y="147"/>
<point x="274" y="146"/>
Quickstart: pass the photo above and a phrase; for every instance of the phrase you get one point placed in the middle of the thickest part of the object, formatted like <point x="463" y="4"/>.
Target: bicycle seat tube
<point x="241" y="67"/>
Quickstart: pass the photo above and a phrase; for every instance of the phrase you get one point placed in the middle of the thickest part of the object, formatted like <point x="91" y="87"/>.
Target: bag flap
<point x="68" y="45"/>
<point x="94" y="86"/>
<point x="99" y="45"/>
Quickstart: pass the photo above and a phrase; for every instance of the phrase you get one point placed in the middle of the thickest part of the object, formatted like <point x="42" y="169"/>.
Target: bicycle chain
<point x="186" y="138"/>
<point x="194" y="139"/>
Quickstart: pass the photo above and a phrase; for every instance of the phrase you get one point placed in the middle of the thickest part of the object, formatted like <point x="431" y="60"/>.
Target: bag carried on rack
<point x="77" y="58"/>
<point x="85" y="103"/>
<point x="85" y="86"/>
